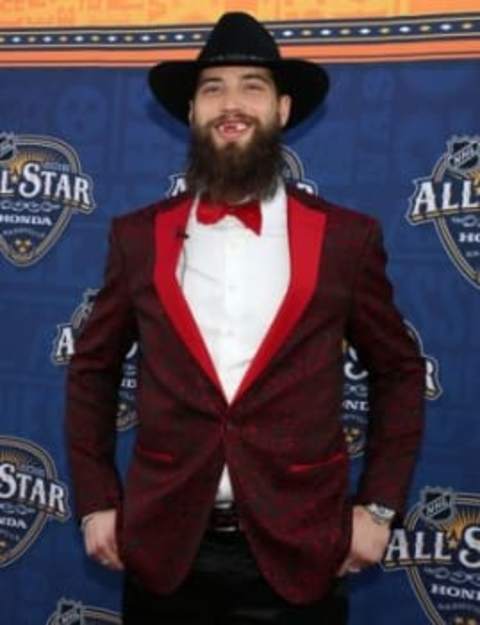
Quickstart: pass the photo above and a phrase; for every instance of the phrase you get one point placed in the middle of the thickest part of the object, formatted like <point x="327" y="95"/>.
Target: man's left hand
<point x="369" y="541"/>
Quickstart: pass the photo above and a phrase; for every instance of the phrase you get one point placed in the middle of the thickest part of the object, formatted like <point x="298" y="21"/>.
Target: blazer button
<point x="227" y="426"/>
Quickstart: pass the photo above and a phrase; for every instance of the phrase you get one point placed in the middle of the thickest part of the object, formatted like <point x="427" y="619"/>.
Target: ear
<point x="190" y="112"/>
<point x="284" y="108"/>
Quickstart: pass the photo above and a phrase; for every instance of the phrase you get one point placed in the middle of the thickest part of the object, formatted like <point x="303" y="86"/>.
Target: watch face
<point x="381" y="511"/>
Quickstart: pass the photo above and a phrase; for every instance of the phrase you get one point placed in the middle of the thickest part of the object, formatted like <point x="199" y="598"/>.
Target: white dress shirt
<point x="234" y="282"/>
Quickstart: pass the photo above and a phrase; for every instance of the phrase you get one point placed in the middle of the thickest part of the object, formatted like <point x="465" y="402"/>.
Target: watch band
<point x="380" y="514"/>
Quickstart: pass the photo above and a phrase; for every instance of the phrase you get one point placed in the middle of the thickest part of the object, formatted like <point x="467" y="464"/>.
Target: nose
<point x="231" y="100"/>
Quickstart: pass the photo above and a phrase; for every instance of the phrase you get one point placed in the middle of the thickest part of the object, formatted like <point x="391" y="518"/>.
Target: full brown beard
<point x="232" y="173"/>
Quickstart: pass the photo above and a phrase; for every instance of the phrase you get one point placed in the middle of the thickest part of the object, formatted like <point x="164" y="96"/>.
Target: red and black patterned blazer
<point x="281" y="436"/>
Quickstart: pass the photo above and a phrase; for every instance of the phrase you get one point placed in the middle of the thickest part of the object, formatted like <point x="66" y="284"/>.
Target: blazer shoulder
<point x="143" y="218"/>
<point x="336" y="213"/>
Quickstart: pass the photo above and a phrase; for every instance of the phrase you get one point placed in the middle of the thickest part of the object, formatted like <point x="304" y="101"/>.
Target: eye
<point x="210" y="88"/>
<point x="254" y="86"/>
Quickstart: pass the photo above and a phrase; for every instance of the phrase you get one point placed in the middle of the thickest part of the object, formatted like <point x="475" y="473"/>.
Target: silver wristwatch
<point x="380" y="514"/>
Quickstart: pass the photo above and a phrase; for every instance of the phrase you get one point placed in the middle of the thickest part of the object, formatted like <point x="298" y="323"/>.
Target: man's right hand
<point x="100" y="540"/>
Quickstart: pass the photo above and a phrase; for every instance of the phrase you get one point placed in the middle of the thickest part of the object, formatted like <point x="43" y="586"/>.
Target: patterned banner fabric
<point x="82" y="141"/>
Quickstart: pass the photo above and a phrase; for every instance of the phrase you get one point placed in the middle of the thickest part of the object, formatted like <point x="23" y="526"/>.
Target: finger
<point x="109" y="551"/>
<point x="366" y="559"/>
<point x="100" y="550"/>
<point x="89" y="546"/>
<point x="101" y="544"/>
<point x="117" y="564"/>
<point x="351" y="565"/>
<point x="113" y="563"/>
<point x="115" y="553"/>
<point x="112" y="545"/>
<point x="342" y="571"/>
<point x="109" y="559"/>
<point x="93" y="539"/>
<point x="96" y="548"/>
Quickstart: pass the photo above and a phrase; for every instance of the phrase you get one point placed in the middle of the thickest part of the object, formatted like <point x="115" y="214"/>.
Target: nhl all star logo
<point x="64" y="342"/>
<point x="41" y="186"/>
<point x="355" y="392"/>
<point x="127" y="410"/>
<point x="439" y="548"/>
<point x="70" y="612"/>
<point x="355" y="401"/>
<point x="450" y="200"/>
<point x="64" y="348"/>
<point x="292" y="172"/>
<point x="30" y="494"/>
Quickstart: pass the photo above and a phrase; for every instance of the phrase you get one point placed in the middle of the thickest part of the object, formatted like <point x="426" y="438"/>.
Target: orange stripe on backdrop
<point x="421" y="50"/>
<point x="93" y="57"/>
<point x="77" y="13"/>
<point x="331" y="53"/>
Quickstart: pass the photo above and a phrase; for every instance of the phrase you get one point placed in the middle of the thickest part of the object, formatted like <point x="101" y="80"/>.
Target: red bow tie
<point x="248" y="213"/>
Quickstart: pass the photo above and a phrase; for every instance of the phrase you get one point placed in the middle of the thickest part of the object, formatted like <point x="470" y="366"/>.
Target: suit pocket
<point x="308" y="466"/>
<point x="154" y="454"/>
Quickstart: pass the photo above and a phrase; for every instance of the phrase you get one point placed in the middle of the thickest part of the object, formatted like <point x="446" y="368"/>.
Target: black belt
<point x="224" y="518"/>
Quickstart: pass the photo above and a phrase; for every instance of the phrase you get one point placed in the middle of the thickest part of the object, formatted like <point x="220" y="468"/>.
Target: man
<point x="241" y="293"/>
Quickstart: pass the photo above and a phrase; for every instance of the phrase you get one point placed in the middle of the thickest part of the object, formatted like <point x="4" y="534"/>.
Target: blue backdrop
<point x="397" y="141"/>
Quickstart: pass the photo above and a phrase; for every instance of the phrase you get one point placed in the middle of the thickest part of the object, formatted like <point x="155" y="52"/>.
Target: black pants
<point x="225" y="587"/>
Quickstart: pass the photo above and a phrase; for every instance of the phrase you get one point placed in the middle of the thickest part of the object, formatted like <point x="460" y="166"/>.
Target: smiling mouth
<point x="232" y="128"/>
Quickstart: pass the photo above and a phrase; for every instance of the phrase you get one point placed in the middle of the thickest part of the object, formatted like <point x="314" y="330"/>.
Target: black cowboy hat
<point x="238" y="39"/>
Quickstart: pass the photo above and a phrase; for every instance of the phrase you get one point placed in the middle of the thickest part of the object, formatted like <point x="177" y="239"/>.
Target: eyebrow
<point x="263" y="77"/>
<point x="202" y="81"/>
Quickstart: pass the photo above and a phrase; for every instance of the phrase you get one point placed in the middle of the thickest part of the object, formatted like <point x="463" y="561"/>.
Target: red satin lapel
<point x="306" y="234"/>
<point x="168" y="244"/>
<point x="306" y="228"/>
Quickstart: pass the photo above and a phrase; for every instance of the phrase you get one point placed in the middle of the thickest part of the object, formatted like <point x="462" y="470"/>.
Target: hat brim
<point x="173" y="84"/>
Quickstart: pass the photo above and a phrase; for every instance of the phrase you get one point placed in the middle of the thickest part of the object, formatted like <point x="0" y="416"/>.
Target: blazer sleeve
<point x="396" y="381"/>
<point x="93" y="379"/>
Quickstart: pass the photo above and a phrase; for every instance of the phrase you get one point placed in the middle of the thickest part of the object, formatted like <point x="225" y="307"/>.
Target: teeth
<point x="235" y="126"/>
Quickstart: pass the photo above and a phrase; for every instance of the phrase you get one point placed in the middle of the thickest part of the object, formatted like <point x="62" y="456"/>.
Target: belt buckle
<point x="227" y="528"/>
<point x="224" y="509"/>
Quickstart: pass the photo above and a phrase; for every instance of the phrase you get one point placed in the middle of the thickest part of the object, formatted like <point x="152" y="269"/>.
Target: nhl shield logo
<point x="439" y="548"/>
<point x="355" y="392"/>
<point x="437" y="505"/>
<point x="450" y="200"/>
<point x="30" y="493"/>
<point x="41" y="186"/>
<point x="71" y="612"/>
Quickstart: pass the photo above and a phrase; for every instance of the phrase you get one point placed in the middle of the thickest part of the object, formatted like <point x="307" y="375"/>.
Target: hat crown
<point x="238" y="37"/>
